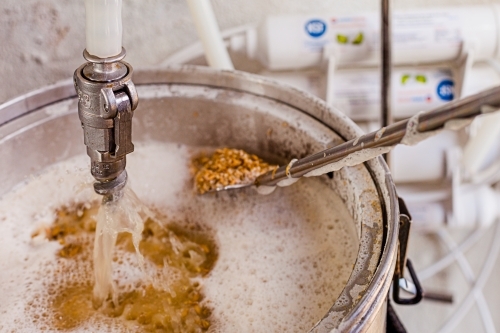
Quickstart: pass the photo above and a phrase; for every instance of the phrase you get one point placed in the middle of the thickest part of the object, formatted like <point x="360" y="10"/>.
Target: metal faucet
<point x="107" y="99"/>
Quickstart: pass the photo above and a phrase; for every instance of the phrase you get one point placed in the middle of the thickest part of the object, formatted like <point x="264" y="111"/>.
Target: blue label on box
<point x="315" y="28"/>
<point x="445" y="90"/>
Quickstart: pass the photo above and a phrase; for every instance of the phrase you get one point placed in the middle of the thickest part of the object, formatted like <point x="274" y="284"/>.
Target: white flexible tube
<point x="468" y="301"/>
<point x="469" y="276"/>
<point x="484" y="311"/>
<point x="103" y="27"/>
<point x="195" y="50"/>
<point x="449" y="258"/>
<point x="209" y="34"/>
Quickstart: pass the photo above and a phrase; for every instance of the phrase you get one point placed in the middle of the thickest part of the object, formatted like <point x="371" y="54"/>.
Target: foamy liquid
<point x="283" y="258"/>
<point x="124" y="213"/>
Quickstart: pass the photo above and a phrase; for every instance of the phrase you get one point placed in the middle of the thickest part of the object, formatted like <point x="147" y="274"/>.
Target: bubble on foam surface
<point x="283" y="258"/>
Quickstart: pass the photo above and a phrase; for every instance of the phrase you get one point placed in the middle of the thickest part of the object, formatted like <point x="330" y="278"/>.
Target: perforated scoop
<point x="453" y="115"/>
<point x="228" y="169"/>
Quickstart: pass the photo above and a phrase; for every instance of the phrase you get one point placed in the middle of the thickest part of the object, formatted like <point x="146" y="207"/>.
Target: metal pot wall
<point x="200" y="106"/>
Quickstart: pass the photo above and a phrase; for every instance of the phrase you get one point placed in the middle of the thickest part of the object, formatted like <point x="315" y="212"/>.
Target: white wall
<point x="42" y="40"/>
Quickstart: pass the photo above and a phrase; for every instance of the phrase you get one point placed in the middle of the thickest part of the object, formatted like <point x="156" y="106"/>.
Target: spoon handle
<point x="425" y="122"/>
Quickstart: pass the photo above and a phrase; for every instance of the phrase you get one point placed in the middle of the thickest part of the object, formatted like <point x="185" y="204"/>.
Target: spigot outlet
<point x="112" y="190"/>
<point x="107" y="99"/>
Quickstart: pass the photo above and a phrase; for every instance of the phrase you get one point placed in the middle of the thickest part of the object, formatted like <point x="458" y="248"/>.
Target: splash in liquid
<point x="175" y="258"/>
<point x="120" y="212"/>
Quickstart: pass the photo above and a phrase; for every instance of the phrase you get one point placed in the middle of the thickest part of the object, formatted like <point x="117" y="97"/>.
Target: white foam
<point x="413" y="136"/>
<point x="289" y="180"/>
<point x="24" y="210"/>
<point x="265" y="190"/>
<point x="457" y="124"/>
<point x="355" y="158"/>
<point x="283" y="258"/>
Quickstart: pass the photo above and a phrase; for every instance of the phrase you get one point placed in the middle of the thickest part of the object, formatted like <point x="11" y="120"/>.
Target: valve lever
<point x="107" y="100"/>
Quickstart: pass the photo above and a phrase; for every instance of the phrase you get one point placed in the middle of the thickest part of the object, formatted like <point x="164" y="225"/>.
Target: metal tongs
<point x="426" y="122"/>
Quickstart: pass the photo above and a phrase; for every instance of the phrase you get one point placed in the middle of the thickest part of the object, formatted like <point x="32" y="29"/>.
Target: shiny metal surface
<point x="110" y="60"/>
<point x="112" y="189"/>
<point x="106" y="100"/>
<point x="386" y="66"/>
<point x="391" y="135"/>
<point x="386" y="117"/>
<point x="31" y="101"/>
<point x="203" y="107"/>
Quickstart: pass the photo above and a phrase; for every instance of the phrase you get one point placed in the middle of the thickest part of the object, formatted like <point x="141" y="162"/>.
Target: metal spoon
<point x="466" y="108"/>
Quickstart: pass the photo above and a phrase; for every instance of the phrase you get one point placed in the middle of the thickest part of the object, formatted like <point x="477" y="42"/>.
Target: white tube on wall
<point x="103" y="27"/>
<point x="419" y="36"/>
<point x="209" y="34"/>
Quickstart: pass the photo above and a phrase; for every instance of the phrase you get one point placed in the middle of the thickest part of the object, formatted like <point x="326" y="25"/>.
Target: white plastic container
<point x="419" y="36"/>
<point x="357" y="92"/>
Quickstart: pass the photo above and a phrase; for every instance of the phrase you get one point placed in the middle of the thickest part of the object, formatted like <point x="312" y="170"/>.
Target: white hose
<point x="470" y="277"/>
<point x="195" y="50"/>
<point x="449" y="258"/>
<point x="103" y="27"/>
<point x="209" y="34"/>
<point x="469" y="299"/>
